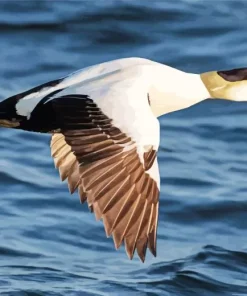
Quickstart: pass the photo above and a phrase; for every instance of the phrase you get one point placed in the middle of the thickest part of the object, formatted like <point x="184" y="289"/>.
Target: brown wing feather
<point x="103" y="163"/>
<point x="68" y="166"/>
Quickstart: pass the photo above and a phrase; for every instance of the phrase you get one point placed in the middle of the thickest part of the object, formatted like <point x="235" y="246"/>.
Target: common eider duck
<point x="105" y="135"/>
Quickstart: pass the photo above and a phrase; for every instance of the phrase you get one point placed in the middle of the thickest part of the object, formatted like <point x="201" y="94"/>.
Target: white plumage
<point x="106" y="135"/>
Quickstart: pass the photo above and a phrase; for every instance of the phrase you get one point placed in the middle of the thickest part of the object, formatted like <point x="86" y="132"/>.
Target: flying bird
<point x="105" y="135"/>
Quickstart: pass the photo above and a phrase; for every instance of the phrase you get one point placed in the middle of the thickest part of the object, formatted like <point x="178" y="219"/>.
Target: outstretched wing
<point x="115" y="172"/>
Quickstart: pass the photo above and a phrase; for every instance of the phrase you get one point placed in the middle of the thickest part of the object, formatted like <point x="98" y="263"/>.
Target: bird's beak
<point x="215" y="84"/>
<point x="228" y="85"/>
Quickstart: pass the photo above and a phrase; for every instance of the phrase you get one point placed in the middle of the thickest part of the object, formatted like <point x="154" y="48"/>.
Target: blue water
<point x="49" y="243"/>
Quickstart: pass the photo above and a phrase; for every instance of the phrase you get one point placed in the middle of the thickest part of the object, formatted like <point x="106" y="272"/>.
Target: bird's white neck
<point x="173" y="90"/>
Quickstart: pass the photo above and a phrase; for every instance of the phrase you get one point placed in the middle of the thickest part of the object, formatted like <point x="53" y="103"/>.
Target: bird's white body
<point x="169" y="88"/>
<point x="120" y="89"/>
<point x="107" y="141"/>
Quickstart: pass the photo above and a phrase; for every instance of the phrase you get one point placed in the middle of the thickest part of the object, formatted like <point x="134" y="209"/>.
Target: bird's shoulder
<point x="106" y="83"/>
<point x="107" y="69"/>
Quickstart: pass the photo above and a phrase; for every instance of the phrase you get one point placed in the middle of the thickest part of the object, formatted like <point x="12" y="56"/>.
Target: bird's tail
<point x="8" y="116"/>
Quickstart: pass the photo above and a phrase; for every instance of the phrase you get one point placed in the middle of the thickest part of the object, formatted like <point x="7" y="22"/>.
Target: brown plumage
<point x="103" y="164"/>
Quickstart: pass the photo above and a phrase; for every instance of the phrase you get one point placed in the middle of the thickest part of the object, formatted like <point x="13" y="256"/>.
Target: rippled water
<point x="49" y="243"/>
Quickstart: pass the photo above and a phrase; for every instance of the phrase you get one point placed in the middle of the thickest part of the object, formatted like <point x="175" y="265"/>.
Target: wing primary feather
<point x="94" y="167"/>
<point x="120" y="192"/>
<point x="130" y="237"/>
<point x="120" y="224"/>
<point x="82" y="194"/>
<point x="142" y="217"/>
<point x="55" y="138"/>
<point x="153" y="231"/>
<point x="101" y="175"/>
<point x="141" y="247"/>
<point x="114" y="190"/>
<point x="125" y="206"/>
<point x="73" y="177"/>
<point x="66" y="165"/>
<point x="142" y="236"/>
<point x="57" y="148"/>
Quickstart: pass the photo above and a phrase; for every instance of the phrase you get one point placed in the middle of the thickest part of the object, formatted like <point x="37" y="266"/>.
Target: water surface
<point x="49" y="243"/>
